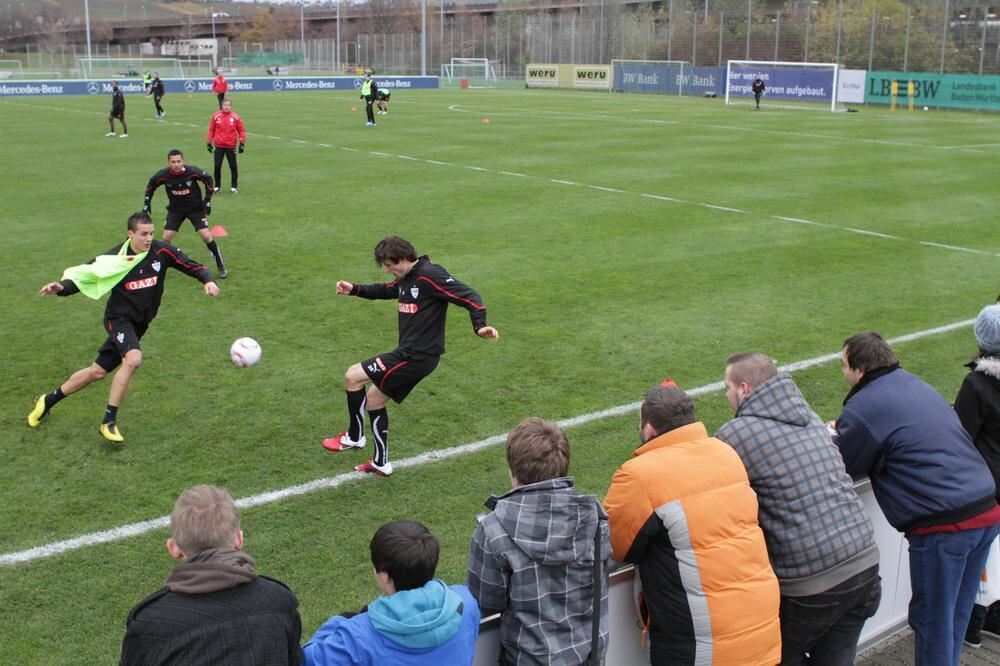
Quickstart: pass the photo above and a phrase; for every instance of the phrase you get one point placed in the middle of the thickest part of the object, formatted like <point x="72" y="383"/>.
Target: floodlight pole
<point x="338" y="36"/>
<point x="302" y="29"/>
<point x="423" y="38"/>
<point x="86" y="11"/>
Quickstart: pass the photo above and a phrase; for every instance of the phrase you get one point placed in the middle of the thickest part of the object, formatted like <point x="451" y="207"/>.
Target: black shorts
<point x="118" y="114"/>
<point x="396" y="373"/>
<point x="383" y="97"/>
<point x="123" y="336"/>
<point x="175" y="220"/>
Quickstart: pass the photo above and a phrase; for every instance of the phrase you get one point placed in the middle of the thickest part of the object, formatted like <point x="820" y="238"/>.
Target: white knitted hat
<point x="987" y="329"/>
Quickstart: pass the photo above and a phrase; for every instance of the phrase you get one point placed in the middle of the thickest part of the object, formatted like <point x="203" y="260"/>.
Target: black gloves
<point x="208" y="208"/>
<point x="243" y="147"/>
<point x="210" y="147"/>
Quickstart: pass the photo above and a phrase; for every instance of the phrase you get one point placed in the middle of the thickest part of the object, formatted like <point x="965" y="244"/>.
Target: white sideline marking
<point x="407" y="157"/>
<point x="439" y="163"/>
<point x="873" y="233"/>
<point x="662" y="198"/>
<point x="563" y="182"/>
<point x="475" y="168"/>
<point x="324" y="145"/>
<point x="299" y="141"/>
<point x="960" y="249"/>
<point x="607" y="189"/>
<point x="375" y="152"/>
<point x="725" y="208"/>
<point x="350" y="150"/>
<point x="801" y="221"/>
<point x="512" y="173"/>
<point x="137" y="529"/>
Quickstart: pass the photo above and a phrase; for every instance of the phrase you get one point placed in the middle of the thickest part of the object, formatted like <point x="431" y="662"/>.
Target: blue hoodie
<point x="432" y="625"/>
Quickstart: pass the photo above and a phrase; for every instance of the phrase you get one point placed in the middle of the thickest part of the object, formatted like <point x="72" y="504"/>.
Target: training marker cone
<point x="218" y="232"/>
<point x="486" y="121"/>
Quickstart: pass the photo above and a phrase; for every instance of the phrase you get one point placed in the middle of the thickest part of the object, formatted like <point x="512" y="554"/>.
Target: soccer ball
<point x="245" y="352"/>
<point x="926" y="109"/>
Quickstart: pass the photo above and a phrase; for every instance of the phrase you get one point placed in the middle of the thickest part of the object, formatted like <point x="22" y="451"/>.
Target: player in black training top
<point x="184" y="202"/>
<point x="423" y="291"/>
<point x="117" y="110"/>
<point x="157" y="90"/>
<point x="758" y="90"/>
<point x="132" y="305"/>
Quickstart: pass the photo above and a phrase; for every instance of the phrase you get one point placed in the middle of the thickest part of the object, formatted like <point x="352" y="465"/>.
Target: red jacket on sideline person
<point x="225" y="129"/>
<point x="220" y="85"/>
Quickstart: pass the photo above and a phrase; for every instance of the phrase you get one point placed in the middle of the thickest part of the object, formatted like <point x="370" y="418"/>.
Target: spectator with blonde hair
<point x="215" y="608"/>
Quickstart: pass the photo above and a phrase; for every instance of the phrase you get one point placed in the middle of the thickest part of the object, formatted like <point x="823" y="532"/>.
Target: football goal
<point x="168" y="68"/>
<point x="804" y="84"/>
<point x="11" y="69"/>
<point x="665" y="77"/>
<point x="479" y="72"/>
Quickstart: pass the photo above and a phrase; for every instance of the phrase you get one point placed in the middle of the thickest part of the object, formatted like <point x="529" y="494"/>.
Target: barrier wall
<point x="956" y="91"/>
<point x="587" y="77"/>
<point x="624" y="644"/>
<point x="200" y="85"/>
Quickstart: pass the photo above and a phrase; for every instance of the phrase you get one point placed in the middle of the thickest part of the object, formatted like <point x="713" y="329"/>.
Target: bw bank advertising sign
<point x="190" y="86"/>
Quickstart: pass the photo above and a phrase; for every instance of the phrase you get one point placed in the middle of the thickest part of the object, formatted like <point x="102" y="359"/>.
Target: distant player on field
<point x="134" y="273"/>
<point x="758" y="90"/>
<point x="117" y="110"/>
<point x="382" y="101"/>
<point x="369" y="89"/>
<point x="225" y="131"/>
<point x="184" y="202"/>
<point x="220" y="86"/>
<point x="423" y="291"/>
<point x="157" y="90"/>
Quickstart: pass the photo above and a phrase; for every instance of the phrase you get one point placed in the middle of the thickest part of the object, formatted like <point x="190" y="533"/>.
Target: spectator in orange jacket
<point x="683" y="512"/>
<point x="225" y="132"/>
<point x="220" y="86"/>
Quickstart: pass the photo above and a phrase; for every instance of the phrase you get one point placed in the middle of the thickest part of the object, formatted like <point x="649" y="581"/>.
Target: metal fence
<point x="862" y="34"/>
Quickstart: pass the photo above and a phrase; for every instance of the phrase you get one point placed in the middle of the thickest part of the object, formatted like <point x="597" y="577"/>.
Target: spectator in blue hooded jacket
<point x="420" y="620"/>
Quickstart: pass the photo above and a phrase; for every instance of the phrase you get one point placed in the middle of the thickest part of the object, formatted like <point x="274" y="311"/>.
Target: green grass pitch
<point x="616" y="240"/>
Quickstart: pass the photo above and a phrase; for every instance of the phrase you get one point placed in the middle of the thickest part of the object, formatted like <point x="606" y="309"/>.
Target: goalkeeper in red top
<point x="225" y="132"/>
<point x="134" y="272"/>
<point x="423" y="291"/>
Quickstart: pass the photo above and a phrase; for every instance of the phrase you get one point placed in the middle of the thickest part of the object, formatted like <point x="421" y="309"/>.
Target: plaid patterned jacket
<point x="817" y="531"/>
<point x="532" y="559"/>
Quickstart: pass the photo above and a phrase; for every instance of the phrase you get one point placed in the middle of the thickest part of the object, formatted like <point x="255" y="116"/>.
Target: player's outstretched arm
<point x="344" y="288"/>
<point x="51" y="288"/>
<point x="211" y="289"/>
<point x="488" y="332"/>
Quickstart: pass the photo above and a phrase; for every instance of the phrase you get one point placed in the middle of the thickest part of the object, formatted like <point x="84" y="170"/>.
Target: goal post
<point x="665" y="77"/>
<point x="95" y="68"/>
<point x="813" y="82"/>
<point x="482" y="72"/>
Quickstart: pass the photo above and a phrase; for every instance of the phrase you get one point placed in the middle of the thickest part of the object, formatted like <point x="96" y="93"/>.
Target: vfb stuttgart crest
<point x="414" y="291"/>
<point x="156" y="266"/>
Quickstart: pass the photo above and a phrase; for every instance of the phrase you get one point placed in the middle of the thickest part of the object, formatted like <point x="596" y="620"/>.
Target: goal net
<point x="794" y="84"/>
<point x="664" y="77"/>
<point x="168" y="68"/>
<point x="11" y="69"/>
<point x="479" y="72"/>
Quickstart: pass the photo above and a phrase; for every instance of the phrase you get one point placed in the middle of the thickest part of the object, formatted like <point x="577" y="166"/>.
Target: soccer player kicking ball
<point x="423" y="290"/>
<point x="134" y="272"/>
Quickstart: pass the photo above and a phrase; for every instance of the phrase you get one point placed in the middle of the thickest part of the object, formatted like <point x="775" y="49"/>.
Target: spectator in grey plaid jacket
<point x="532" y="558"/>
<point x="819" y="536"/>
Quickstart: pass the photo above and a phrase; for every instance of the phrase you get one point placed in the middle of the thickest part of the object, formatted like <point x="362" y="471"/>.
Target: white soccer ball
<point x="926" y="109"/>
<point x="245" y="352"/>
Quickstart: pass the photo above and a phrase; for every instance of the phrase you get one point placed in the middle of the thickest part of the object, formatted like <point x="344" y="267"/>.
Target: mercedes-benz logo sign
<point x="93" y="88"/>
<point x="277" y="84"/>
<point x="357" y="84"/>
<point x="189" y="86"/>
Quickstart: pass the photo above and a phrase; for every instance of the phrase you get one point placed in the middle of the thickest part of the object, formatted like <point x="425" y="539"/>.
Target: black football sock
<point x="111" y="414"/>
<point x="356" y="414"/>
<point x="52" y="398"/>
<point x="380" y="431"/>
<point x="213" y="247"/>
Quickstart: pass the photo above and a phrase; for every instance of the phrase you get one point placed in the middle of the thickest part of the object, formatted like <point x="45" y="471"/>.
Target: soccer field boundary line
<point x="137" y="529"/>
<point x="602" y="188"/>
<point x="569" y="115"/>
